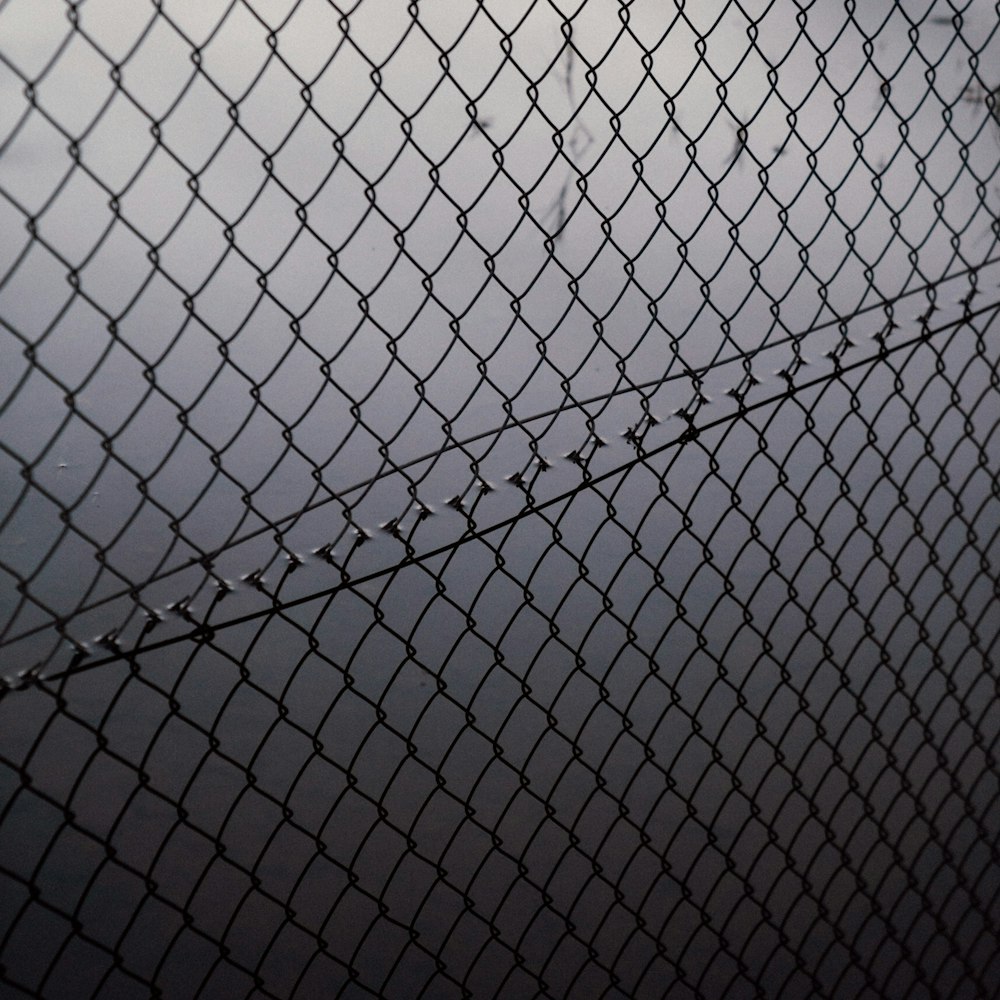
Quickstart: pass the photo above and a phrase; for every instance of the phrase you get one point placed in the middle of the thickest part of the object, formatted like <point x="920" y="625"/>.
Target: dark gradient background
<point x="490" y="516"/>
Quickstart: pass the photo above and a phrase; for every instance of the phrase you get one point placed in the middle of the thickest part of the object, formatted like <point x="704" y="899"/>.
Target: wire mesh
<point x="499" y="499"/>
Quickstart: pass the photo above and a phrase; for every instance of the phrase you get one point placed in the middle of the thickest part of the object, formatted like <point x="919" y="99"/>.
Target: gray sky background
<point x="741" y="688"/>
<point x="288" y="183"/>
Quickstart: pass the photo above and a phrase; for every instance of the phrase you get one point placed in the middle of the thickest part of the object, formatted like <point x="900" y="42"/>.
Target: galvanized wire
<point x="499" y="500"/>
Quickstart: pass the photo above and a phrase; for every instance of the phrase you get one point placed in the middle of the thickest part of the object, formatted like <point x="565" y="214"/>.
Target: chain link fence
<point x="499" y="499"/>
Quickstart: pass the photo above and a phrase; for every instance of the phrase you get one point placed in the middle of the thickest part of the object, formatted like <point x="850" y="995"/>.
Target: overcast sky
<point x="275" y="274"/>
<point x="351" y="208"/>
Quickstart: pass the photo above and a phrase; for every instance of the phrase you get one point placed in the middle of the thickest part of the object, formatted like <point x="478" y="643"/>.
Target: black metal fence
<point x="499" y="500"/>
